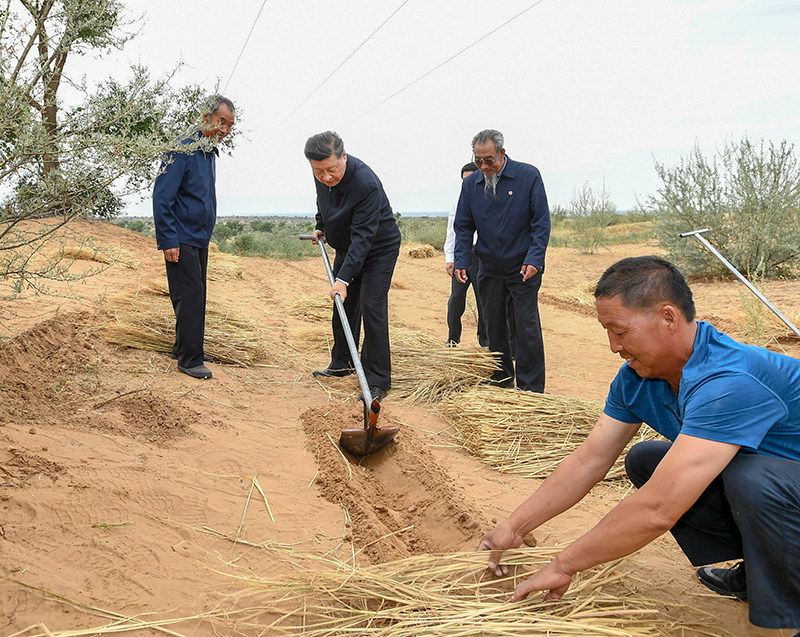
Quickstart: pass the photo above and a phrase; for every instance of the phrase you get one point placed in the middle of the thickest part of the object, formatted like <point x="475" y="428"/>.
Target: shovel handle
<point x="348" y="334"/>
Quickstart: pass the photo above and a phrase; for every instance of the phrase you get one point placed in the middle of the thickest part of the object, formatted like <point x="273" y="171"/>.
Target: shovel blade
<point x="369" y="438"/>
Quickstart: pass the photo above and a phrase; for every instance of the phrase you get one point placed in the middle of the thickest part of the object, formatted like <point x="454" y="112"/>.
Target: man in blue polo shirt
<point x="185" y="211"/>
<point x="726" y="483"/>
<point x="506" y="203"/>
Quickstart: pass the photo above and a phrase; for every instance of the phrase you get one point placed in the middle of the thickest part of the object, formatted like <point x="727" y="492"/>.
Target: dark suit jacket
<point x="356" y="217"/>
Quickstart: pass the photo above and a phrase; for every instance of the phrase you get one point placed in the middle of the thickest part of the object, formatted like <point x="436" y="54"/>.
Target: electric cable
<point x="294" y="110"/>
<point x="244" y="46"/>
<point x="453" y="57"/>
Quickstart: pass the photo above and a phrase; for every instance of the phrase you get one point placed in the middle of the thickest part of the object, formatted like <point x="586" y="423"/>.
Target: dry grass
<point x="109" y="255"/>
<point x="144" y="319"/>
<point x="420" y="251"/>
<point x="523" y="432"/>
<point x="421" y="596"/>
<point x="423" y="370"/>
<point x="313" y="308"/>
<point x="582" y="294"/>
<point x="223" y="267"/>
<point x="451" y="595"/>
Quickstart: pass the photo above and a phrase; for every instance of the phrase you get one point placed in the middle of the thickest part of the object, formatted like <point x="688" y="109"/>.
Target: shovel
<point x="362" y="440"/>
<point x="698" y="234"/>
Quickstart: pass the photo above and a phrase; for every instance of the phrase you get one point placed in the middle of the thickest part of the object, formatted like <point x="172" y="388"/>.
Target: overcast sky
<point x="586" y="90"/>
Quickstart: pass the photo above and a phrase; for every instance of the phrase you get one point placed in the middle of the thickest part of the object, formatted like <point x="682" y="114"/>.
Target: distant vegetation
<point x="747" y="194"/>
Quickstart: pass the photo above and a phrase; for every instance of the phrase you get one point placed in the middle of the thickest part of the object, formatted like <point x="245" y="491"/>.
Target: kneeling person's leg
<point x="764" y="496"/>
<point x="706" y="533"/>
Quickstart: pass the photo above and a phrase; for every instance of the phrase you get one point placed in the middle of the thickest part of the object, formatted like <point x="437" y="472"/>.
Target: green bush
<point x="591" y="214"/>
<point x="747" y="195"/>
<point x="427" y="230"/>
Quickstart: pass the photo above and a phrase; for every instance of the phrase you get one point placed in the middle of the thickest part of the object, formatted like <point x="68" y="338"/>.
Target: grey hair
<point x="487" y="135"/>
<point x="322" y="145"/>
<point x="213" y="102"/>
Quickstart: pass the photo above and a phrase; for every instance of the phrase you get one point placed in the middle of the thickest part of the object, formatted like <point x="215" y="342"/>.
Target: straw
<point x="144" y="319"/>
<point x="452" y="596"/>
<point x="525" y="433"/>
<point x="109" y="255"/>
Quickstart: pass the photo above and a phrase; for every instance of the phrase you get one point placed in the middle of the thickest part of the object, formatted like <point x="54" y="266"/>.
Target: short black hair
<point x="469" y="168"/>
<point x="643" y="282"/>
<point x="213" y="102"/>
<point x="322" y="145"/>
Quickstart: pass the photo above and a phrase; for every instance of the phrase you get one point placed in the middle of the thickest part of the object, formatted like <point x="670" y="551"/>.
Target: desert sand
<point x="122" y="480"/>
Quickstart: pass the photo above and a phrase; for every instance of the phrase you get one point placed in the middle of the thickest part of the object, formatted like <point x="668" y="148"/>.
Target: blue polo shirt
<point x="513" y="228"/>
<point x="185" y="197"/>
<point x="732" y="393"/>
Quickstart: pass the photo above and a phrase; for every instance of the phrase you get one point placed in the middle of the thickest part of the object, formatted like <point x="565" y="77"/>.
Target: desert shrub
<point x="747" y="195"/>
<point x="558" y="214"/>
<point x="427" y="230"/>
<point x="591" y="214"/>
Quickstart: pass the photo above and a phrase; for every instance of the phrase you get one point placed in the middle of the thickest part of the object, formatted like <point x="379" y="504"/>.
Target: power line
<point x="453" y="57"/>
<point x="294" y="110"/>
<point x="244" y="46"/>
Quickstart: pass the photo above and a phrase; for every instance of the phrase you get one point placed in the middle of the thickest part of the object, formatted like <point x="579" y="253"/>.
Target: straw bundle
<point x="423" y="370"/>
<point x="453" y="595"/>
<point x="523" y="432"/>
<point x="420" y="251"/>
<point x="145" y="320"/>
<point x="223" y="267"/>
<point x="313" y="308"/>
<point x="108" y="255"/>
<point x="582" y="295"/>
<point x="425" y="374"/>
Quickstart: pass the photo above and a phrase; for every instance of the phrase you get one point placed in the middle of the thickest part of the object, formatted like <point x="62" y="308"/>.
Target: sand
<point x="122" y="481"/>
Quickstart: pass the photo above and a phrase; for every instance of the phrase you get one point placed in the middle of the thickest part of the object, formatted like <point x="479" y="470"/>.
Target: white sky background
<point x="586" y="90"/>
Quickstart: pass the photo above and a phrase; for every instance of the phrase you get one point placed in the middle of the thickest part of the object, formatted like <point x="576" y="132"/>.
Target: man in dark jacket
<point x="506" y="203"/>
<point x="185" y="211"/>
<point x="354" y="215"/>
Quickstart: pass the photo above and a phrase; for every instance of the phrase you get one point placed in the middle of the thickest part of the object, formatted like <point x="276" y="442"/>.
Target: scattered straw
<point x="454" y="595"/>
<point x="110" y="255"/>
<point x="420" y="251"/>
<point x="222" y="266"/>
<point x="144" y="319"/>
<point x="423" y="370"/>
<point x="523" y="432"/>
<point x="314" y="308"/>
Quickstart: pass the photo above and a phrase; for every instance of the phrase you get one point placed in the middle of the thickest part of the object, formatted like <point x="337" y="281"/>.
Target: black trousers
<point x="187" y="290"/>
<point x="367" y="299"/>
<point x="750" y="511"/>
<point x="458" y="301"/>
<point x="510" y="294"/>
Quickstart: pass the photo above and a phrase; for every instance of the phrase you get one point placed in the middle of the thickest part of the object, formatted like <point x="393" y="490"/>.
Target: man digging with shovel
<point x="355" y="217"/>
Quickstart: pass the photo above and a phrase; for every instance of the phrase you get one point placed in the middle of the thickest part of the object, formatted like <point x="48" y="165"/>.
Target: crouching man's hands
<point x="500" y="538"/>
<point x="551" y="578"/>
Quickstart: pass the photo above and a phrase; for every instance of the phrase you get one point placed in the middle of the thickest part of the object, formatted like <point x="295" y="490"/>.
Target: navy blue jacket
<point x="513" y="230"/>
<point x="356" y="217"/>
<point x="185" y="197"/>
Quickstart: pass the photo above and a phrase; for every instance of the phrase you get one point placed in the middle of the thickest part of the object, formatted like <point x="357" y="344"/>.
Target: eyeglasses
<point x="484" y="160"/>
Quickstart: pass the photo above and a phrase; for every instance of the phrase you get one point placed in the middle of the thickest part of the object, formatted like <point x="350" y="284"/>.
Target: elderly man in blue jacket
<point x="354" y="215"/>
<point x="506" y="203"/>
<point x="185" y="211"/>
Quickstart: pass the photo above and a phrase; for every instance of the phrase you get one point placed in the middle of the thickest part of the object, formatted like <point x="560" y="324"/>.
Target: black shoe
<point x="730" y="582"/>
<point x="376" y="392"/>
<point x="201" y="371"/>
<point x="451" y="343"/>
<point x="337" y="373"/>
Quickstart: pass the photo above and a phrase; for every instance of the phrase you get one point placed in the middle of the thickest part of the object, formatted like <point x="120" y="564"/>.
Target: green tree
<point x="591" y="214"/>
<point x="59" y="160"/>
<point x="747" y="195"/>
